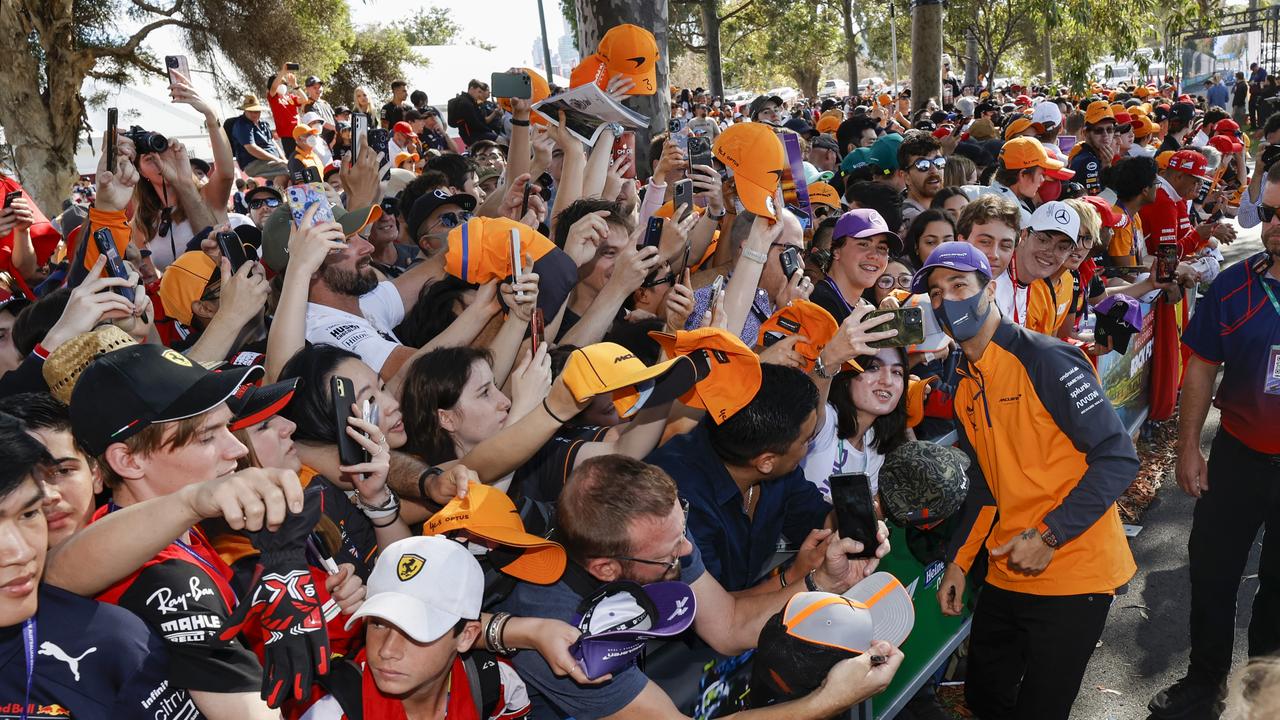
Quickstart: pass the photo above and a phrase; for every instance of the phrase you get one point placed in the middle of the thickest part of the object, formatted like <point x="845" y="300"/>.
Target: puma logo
<point x="57" y="653"/>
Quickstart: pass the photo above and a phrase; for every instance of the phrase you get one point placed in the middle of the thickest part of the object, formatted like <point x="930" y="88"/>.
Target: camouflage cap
<point x="923" y="483"/>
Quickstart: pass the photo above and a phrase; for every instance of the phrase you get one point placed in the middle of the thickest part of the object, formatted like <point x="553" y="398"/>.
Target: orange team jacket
<point x="1048" y="452"/>
<point x="1048" y="302"/>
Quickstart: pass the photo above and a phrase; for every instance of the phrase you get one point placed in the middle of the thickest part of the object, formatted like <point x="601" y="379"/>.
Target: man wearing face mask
<point x="1043" y="438"/>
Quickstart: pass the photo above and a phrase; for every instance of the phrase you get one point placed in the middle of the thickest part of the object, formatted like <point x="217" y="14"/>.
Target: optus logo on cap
<point x="409" y="566"/>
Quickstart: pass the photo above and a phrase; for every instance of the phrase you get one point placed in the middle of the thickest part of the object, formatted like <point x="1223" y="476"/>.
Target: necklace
<point x="746" y="503"/>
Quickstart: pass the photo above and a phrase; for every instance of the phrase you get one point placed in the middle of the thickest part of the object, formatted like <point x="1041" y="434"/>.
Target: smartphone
<point x="673" y="125"/>
<point x="113" y="116"/>
<point x="292" y="66"/>
<point x="115" y="264"/>
<point x="625" y="146"/>
<point x="653" y="232"/>
<point x="177" y="64"/>
<point x="302" y="197"/>
<point x="10" y="197"/>
<point x="683" y="198"/>
<point x="537" y="327"/>
<point x="517" y="262"/>
<point x="343" y="392"/>
<point x="1166" y="262"/>
<point x="524" y="200"/>
<point x="378" y="139"/>
<point x="359" y="135"/>
<point x="855" y="510"/>
<point x="232" y="249"/>
<point x="699" y="149"/>
<point x="717" y="287"/>
<point x="511" y="85"/>
<point x="1066" y="142"/>
<point x="790" y="260"/>
<point x="908" y="321"/>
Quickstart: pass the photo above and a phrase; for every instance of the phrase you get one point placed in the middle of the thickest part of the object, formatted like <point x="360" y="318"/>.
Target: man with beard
<point x="921" y="163"/>
<point x="347" y="305"/>
<point x="1236" y="326"/>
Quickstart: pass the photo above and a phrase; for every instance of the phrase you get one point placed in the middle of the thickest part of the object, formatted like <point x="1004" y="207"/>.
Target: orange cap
<point x="734" y="370"/>
<point x="1144" y="126"/>
<point x="828" y="124"/>
<point x="486" y="512"/>
<point x="884" y="99"/>
<point x="184" y="282"/>
<point x="823" y="194"/>
<point x="1097" y="112"/>
<point x="801" y="317"/>
<point x="541" y="91"/>
<point x="609" y="367"/>
<point x="915" y="399"/>
<point x="590" y="70"/>
<point x="632" y="51"/>
<point x="301" y="131"/>
<point x="1024" y="152"/>
<point x="755" y="155"/>
<point x="480" y="250"/>
<point x="1016" y="127"/>
<point x="1162" y="159"/>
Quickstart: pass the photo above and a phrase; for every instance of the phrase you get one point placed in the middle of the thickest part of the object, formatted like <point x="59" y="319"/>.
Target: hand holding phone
<point x="10" y="197"/>
<point x="517" y="262"/>
<point x="232" y="249"/>
<point x="790" y="260"/>
<point x="908" y="321"/>
<point x="683" y="198"/>
<point x="177" y="65"/>
<point x="113" y="116"/>
<point x="1166" y="262"/>
<point x="106" y="244"/>
<point x="699" y="150"/>
<point x="343" y="392"/>
<point x="855" y="510"/>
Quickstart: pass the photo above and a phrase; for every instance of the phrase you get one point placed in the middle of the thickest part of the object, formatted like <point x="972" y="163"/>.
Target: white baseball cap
<point x="311" y="117"/>
<point x="1057" y="216"/>
<point x="1047" y="115"/>
<point x="423" y="585"/>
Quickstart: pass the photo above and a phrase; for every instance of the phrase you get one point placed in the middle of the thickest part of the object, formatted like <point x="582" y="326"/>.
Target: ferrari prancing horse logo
<point x="409" y="566"/>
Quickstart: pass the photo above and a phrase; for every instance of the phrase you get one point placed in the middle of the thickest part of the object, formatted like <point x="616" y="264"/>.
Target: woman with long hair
<point x="363" y="101"/>
<point x="927" y="231"/>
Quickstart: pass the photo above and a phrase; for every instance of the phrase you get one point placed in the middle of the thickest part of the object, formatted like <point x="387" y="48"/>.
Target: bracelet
<point x="755" y="255"/>
<point x="493" y="634"/>
<point x="40" y="352"/>
<point x="782" y="577"/>
<point x="519" y="123"/>
<point x="709" y="214"/>
<point x="553" y="415"/>
<point x="503" y="648"/>
<point x="810" y="584"/>
<point x="389" y="523"/>
<point x="390" y="508"/>
<point x="422" y="480"/>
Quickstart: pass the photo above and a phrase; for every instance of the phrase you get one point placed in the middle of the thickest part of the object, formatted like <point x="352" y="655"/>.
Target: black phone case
<point x="790" y="259"/>
<point x="232" y="249"/>
<point x="343" y="392"/>
<point x="855" y="510"/>
<point x="699" y="150"/>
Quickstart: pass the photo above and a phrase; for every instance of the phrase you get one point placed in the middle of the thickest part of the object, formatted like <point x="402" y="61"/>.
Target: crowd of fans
<point x="393" y="424"/>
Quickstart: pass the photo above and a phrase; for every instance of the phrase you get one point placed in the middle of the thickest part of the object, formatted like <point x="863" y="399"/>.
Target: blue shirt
<point x="247" y="133"/>
<point x="761" y="309"/>
<point x="94" y="661"/>
<point x="1218" y="95"/>
<point x="1235" y="326"/>
<point x="560" y="697"/>
<point x="737" y="549"/>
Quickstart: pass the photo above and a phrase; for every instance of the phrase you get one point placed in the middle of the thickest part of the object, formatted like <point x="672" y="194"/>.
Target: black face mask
<point x="961" y="318"/>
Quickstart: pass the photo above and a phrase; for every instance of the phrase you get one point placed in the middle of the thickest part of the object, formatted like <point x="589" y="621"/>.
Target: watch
<point x="616" y="128"/>
<point x="755" y="255"/>
<point x="1049" y="538"/>
<point x="820" y="369"/>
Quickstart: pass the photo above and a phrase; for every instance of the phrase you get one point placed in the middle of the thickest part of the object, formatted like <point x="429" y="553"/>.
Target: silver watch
<point x="820" y="369"/>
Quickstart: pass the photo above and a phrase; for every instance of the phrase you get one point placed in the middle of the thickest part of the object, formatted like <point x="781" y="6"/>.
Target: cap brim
<point x="542" y="564"/>
<point x="659" y="384"/>
<point x="261" y="402"/>
<point x="676" y="606"/>
<point x="353" y="221"/>
<point x="1051" y="164"/>
<point x="646" y="82"/>
<point x="1062" y="173"/>
<point x="415" y="618"/>
<point x="892" y="613"/>
<point x="756" y="198"/>
<point x="208" y="393"/>
<point x="895" y="242"/>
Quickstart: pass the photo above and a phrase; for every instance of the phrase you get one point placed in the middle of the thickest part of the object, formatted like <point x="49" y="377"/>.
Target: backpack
<point x="344" y="683"/>
<point x="237" y="148"/>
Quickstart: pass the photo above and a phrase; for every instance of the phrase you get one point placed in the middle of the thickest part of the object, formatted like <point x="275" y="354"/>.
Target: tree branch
<point x="156" y="9"/>
<point x="735" y="11"/>
<point x="130" y="47"/>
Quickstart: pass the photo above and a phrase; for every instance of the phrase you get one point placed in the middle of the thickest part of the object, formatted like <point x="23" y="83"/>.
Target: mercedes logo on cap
<point x="1060" y="216"/>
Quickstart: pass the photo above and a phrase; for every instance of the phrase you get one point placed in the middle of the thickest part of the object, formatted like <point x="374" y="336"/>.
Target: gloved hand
<point x="285" y="602"/>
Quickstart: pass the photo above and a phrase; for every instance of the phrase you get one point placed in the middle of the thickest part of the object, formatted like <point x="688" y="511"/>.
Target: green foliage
<point x="374" y="58"/>
<point x="432" y="26"/>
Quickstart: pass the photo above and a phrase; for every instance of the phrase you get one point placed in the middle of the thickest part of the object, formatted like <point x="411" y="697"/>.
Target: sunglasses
<point x="887" y="282"/>
<point x="257" y="203"/>
<point x="454" y="219"/>
<point x="1266" y="212"/>
<point x="1104" y="130"/>
<point x="924" y="164"/>
<point x="671" y="564"/>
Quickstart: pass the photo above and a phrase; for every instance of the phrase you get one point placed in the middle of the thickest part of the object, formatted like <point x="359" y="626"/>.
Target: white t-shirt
<point x="163" y="248"/>
<point x="829" y="455"/>
<point x="372" y="337"/>
<point x="1005" y="295"/>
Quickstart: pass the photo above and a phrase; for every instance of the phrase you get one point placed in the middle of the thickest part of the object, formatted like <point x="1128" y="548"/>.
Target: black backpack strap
<point x="344" y="683"/>
<point x="485" y="680"/>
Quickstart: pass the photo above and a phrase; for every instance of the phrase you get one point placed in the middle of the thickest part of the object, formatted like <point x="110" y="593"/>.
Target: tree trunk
<point x="42" y="126"/>
<point x="850" y="47"/>
<point x="971" y="60"/>
<point x="711" y="31"/>
<point x="926" y="53"/>
<point x="595" y="17"/>
<point x="1048" y="56"/>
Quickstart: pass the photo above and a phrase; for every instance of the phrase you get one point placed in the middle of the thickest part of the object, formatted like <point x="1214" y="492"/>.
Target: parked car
<point x="834" y="88"/>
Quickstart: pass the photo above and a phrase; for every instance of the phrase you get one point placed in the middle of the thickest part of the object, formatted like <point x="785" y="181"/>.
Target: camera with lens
<point x="146" y="141"/>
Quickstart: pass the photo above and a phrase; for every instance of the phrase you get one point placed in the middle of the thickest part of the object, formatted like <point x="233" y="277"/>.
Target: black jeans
<point x="1244" y="494"/>
<point x="1028" y="653"/>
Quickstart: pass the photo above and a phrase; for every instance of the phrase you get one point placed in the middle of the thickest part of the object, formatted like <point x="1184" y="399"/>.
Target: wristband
<point x="40" y="352"/>
<point x="422" y="481"/>
<point x="716" y="216"/>
<point x="755" y="255"/>
<point x="782" y="577"/>
<point x="389" y="523"/>
<point x="809" y="583"/>
<point x="519" y="123"/>
<point x="390" y="508"/>
<point x="553" y="415"/>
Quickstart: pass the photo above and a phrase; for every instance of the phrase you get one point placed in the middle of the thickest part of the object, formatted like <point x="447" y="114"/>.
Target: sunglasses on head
<point x="257" y="203"/>
<point x="924" y="164"/>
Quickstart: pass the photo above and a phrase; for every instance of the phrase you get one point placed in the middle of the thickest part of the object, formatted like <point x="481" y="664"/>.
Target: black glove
<point x="285" y="602"/>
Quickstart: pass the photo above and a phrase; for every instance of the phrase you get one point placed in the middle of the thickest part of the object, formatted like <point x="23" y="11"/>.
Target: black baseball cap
<point x="201" y="165"/>
<point x="251" y="404"/>
<point x="800" y="126"/>
<point x="124" y="391"/>
<point x="341" y="110"/>
<point x="263" y="189"/>
<point x="313" y="80"/>
<point x="758" y="104"/>
<point x="1183" y="111"/>
<point x="427" y="204"/>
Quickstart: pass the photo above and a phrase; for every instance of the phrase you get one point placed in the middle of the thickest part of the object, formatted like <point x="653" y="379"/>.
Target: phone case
<point x="790" y="259"/>
<point x="302" y="197"/>
<point x="232" y="249"/>
<point x="115" y="265"/>
<point x="343" y="392"/>
<point x="909" y="322"/>
<point x="855" y="510"/>
<point x="683" y="196"/>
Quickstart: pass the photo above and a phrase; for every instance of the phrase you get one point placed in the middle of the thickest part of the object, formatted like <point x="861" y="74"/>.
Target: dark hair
<point x="398" y="84"/>
<point x="416" y="188"/>
<point x="1213" y="115"/>
<point x="911" y="240"/>
<point x="38" y="318"/>
<point x="481" y="145"/>
<point x="19" y="454"/>
<point x="916" y="144"/>
<point x="771" y="422"/>
<point x="477" y="84"/>
<point x="891" y="429"/>
<point x="634" y="336"/>
<point x="433" y="312"/>
<point x="1131" y="176"/>
<point x="850" y="131"/>
<point x="455" y="167"/>
<point x="418" y="98"/>
<point x="1009" y="176"/>
<point x="42" y="411"/>
<point x="939" y="201"/>
<point x="311" y="408"/>
<point x="580" y="208"/>
<point x="878" y="196"/>
<point x="1272" y="124"/>
<point x="434" y="382"/>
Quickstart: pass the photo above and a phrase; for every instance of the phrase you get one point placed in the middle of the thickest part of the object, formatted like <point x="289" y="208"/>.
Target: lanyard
<point x="1275" y="304"/>
<point x="848" y="308"/>
<point x="29" y="647"/>
<point x="200" y="559"/>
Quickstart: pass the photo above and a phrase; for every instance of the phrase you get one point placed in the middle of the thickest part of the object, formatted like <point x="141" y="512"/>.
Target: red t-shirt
<point x="284" y="110"/>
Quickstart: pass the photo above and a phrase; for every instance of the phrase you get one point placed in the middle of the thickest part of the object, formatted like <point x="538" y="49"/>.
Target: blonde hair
<point x="1255" y="695"/>
<point x="1090" y="222"/>
<point x="958" y="170"/>
<point x="369" y="96"/>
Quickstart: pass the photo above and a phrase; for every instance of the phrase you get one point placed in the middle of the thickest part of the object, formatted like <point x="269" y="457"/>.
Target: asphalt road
<point x="1144" y="646"/>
